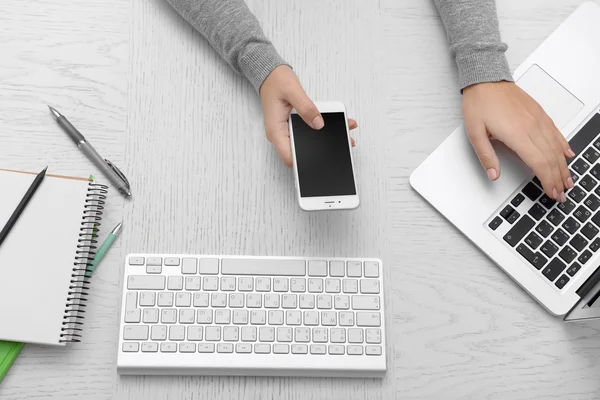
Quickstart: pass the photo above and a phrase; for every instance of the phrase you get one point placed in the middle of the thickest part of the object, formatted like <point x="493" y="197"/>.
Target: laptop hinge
<point x="589" y="284"/>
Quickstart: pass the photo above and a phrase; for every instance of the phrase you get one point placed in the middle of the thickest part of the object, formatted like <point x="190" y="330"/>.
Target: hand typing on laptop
<point x="496" y="108"/>
<point x="504" y="112"/>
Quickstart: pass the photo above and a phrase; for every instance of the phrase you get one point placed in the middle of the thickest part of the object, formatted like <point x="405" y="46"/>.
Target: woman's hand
<point x="279" y="93"/>
<point x="504" y="112"/>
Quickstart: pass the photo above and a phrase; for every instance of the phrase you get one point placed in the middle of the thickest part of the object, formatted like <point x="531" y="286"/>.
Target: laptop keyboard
<point x="557" y="239"/>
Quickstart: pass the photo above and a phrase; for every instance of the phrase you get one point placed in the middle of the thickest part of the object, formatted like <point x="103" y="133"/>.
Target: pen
<point x="106" y="167"/>
<point x="105" y="247"/>
<point x="24" y="201"/>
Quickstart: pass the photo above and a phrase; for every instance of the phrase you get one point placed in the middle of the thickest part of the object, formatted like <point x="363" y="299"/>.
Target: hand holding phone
<point x="322" y="160"/>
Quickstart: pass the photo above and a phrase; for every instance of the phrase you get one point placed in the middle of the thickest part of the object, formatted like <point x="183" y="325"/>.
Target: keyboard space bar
<point x="262" y="266"/>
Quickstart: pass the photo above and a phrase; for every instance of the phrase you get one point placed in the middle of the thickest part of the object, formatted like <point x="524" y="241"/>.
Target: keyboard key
<point x="315" y="285"/>
<point x="517" y="200"/>
<point x="336" y="268"/>
<point x="336" y="349"/>
<point x="210" y="283"/>
<point x="302" y="335"/>
<point x="183" y="299"/>
<point x="333" y="285"/>
<point x="280" y="284"/>
<point x="547" y="201"/>
<point x="574" y="176"/>
<point x="236" y="300"/>
<point x="571" y="225"/>
<point x="369" y="286"/>
<point x="168" y="316"/>
<point x="562" y="281"/>
<point x="225" y="348"/>
<point x="201" y="299"/>
<point x="136" y="261"/>
<point x="168" y="347"/>
<point x="537" y="211"/>
<point x="210" y="266"/>
<point x="243" y="348"/>
<point x="172" y="261"/>
<point x="582" y="214"/>
<point x="354" y="350"/>
<point x="532" y="191"/>
<point x="281" y="349"/>
<point x="285" y="335"/>
<point x="194" y="333"/>
<point x="555" y="217"/>
<point x="262" y="348"/>
<point x="591" y="155"/>
<point x="589" y="230"/>
<point x="584" y="257"/>
<point x="318" y="349"/>
<point x="373" y="350"/>
<point x="204" y="316"/>
<point x="249" y="334"/>
<point x="319" y="335"/>
<point x="135" y="332"/>
<point x="578" y="242"/>
<point x="350" y="286"/>
<point x="298" y="285"/>
<point x="311" y="318"/>
<point x="154" y="261"/>
<point x="354" y="269"/>
<point x="567" y="254"/>
<point x="513" y="217"/>
<point x="519" y="230"/>
<point x="588" y="183"/>
<point x="537" y="181"/>
<point x="175" y="282"/>
<point x="595" y="171"/>
<point x="228" y="283"/>
<point x="533" y="240"/>
<point x="151" y="315"/>
<point x="592" y="202"/>
<point x="595" y="245"/>
<point x="299" y="349"/>
<point x="566" y="207"/>
<point x="289" y="301"/>
<point x="506" y="212"/>
<point x="293" y="317"/>
<point x="149" y="347"/>
<point x="495" y="223"/>
<point x="573" y="269"/>
<point x="328" y="318"/>
<point x="131" y="347"/>
<point x="373" y="336"/>
<point x="159" y="332"/>
<point x="317" y="268"/>
<point x="577" y="194"/>
<point x="554" y="268"/>
<point x="146" y="282"/>
<point x="212" y="333"/>
<point x="549" y="249"/>
<point x="371" y="269"/>
<point x="365" y="302"/>
<point x="189" y="266"/>
<point x="246" y="284"/>
<point x="191" y="282"/>
<point x="222" y="317"/>
<point x="580" y="166"/>
<point x="176" y="332"/>
<point x="337" y="335"/>
<point x="368" y="319"/>
<point x="206" y="347"/>
<point x="263" y="284"/>
<point x="266" y="334"/>
<point x="544" y="228"/>
<point x="263" y="266"/>
<point x="535" y="259"/>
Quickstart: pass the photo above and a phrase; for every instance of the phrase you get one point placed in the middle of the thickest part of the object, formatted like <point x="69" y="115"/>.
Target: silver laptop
<point x="551" y="250"/>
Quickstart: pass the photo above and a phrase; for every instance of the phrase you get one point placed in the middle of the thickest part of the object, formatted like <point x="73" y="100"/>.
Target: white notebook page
<point x="36" y="259"/>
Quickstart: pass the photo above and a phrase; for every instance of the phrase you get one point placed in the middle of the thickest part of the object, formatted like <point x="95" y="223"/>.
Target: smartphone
<point x="323" y="165"/>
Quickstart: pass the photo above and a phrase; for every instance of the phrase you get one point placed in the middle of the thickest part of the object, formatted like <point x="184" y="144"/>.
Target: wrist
<point x="258" y="61"/>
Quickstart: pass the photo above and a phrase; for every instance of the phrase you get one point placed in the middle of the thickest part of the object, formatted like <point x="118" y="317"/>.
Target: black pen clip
<point x="118" y="172"/>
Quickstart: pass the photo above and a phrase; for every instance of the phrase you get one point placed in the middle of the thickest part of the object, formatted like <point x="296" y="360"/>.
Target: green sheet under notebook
<point x="8" y="354"/>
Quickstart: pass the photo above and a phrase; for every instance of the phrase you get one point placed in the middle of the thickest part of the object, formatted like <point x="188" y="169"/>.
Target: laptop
<point x="551" y="250"/>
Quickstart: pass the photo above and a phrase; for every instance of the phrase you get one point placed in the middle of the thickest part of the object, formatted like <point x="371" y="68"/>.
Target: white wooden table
<point x="151" y="94"/>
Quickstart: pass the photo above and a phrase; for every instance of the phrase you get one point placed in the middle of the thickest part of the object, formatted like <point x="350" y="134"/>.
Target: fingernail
<point x="492" y="174"/>
<point x="554" y="194"/>
<point x="570" y="153"/>
<point x="318" y="123"/>
<point x="563" y="198"/>
<point x="570" y="183"/>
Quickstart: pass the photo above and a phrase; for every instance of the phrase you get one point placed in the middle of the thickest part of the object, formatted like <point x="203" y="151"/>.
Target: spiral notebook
<point x="43" y="261"/>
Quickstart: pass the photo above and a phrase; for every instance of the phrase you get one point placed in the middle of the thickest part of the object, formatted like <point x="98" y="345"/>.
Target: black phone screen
<point x="323" y="157"/>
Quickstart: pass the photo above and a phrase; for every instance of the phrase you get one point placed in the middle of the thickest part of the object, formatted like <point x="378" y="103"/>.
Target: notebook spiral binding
<point x="80" y="278"/>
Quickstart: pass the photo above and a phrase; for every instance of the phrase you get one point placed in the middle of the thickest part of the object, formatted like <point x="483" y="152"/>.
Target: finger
<point x="352" y="124"/>
<point x="485" y="151"/>
<point x="353" y="142"/>
<point x="305" y="107"/>
<point x="568" y="152"/>
<point x="560" y="158"/>
<point x="531" y="155"/>
<point x="540" y="138"/>
<point x="284" y="148"/>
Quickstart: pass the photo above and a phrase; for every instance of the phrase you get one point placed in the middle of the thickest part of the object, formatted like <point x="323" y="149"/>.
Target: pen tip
<point x="55" y="114"/>
<point x="45" y="169"/>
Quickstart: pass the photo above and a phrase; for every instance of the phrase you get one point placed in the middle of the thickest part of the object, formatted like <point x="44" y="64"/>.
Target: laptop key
<point x="519" y="230"/>
<point x="571" y="225"/>
<point x="513" y="217"/>
<point x="582" y="214"/>
<point x="533" y="240"/>
<point x="560" y="237"/>
<point x="588" y="183"/>
<point x="495" y="223"/>
<point x="579" y="242"/>
<point x="596" y="218"/>
<point x="544" y="228"/>
<point x="589" y="230"/>
<point x="517" y="200"/>
<point x="535" y="259"/>
<point x="532" y="191"/>
<point x="508" y="210"/>
<point x="554" y="268"/>
<point x="584" y="257"/>
<point x="580" y="166"/>
<point x="574" y="176"/>
<point x="567" y="254"/>
<point x="573" y="269"/>
<point x="592" y="202"/>
<point x="562" y="281"/>
<point x="537" y="211"/>
<point x="566" y="207"/>
<point x="595" y="171"/>
<point x="577" y="194"/>
<point x="549" y="249"/>
<point x="556" y="217"/>
<point x="595" y="245"/>
<point x="547" y="201"/>
<point x="591" y="155"/>
<point x="536" y="180"/>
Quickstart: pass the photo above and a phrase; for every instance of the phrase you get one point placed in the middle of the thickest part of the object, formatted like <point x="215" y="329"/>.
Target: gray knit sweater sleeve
<point x="475" y="44"/>
<point x="234" y="32"/>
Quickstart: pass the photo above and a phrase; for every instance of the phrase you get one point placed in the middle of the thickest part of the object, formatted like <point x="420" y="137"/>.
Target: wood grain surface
<point x="151" y="94"/>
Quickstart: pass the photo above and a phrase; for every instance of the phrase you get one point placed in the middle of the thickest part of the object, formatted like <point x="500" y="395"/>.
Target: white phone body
<point x="323" y="165"/>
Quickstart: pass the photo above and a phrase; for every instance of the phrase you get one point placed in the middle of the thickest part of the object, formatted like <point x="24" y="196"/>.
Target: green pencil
<point x="105" y="247"/>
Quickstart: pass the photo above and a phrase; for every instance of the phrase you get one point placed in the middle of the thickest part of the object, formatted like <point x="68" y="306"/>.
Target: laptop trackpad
<point x="557" y="101"/>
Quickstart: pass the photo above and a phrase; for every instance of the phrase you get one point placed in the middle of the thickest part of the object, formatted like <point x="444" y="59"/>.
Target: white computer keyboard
<point x="233" y="315"/>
